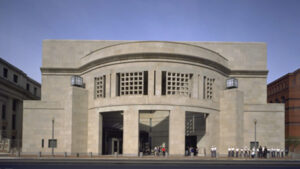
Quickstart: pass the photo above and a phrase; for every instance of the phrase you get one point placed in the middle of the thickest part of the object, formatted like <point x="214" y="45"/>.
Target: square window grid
<point x="209" y="88"/>
<point x="100" y="86"/>
<point x="131" y="83"/>
<point x="178" y="84"/>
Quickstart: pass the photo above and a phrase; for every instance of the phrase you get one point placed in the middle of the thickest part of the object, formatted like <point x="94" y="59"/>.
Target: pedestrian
<point x="271" y="152"/>
<point x="229" y="152"/>
<point x="242" y="152"/>
<point x="215" y="152"/>
<point x="253" y="153"/>
<point x="155" y="151"/>
<point x="187" y="151"/>
<point x="265" y="152"/>
<point x="192" y="151"/>
<point x="164" y="151"/>
<point x="260" y="152"/>
<point x="246" y="152"/>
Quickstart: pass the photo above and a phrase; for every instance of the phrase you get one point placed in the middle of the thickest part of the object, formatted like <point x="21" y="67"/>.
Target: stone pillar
<point x="200" y="86"/>
<point x="231" y="119"/>
<point x="131" y="132"/>
<point x="177" y="132"/>
<point x="113" y="84"/>
<point x="107" y="85"/>
<point x="151" y="83"/>
<point x="95" y="122"/>
<point x="195" y="86"/>
<point x="8" y="118"/>
<point x="19" y="120"/>
<point x="158" y="82"/>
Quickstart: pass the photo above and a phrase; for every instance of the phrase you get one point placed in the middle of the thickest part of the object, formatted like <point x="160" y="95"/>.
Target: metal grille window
<point x="132" y="83"/>
<point x="177" y="83"/>
<point x="100" y="86"/>
<point x="208" y="87"/>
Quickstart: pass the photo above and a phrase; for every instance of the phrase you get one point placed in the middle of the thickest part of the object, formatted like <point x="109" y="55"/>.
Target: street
<point x="145" y="164"/>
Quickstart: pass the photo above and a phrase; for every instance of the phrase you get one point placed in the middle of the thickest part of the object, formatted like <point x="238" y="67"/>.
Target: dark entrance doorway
<point x="153" y="130"/>
<point x="195" y="126"/>
<point x="112" y="138"/>
<point x="190" y="141"/>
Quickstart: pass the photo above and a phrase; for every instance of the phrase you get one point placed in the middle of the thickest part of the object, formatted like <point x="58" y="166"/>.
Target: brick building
<point x="287" y="90"/>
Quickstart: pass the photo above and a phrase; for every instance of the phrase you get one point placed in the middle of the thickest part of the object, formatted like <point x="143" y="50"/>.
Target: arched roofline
<point x="180" y="43"/>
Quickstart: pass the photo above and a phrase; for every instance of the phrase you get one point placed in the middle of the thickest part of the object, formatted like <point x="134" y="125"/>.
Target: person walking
<point x="163" y="151"/>
<point x="229" y="151"/>
<point x="260" y="152"/>
<point x="155" y="151"/>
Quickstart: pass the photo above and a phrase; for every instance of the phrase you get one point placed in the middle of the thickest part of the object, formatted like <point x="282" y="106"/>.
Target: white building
<point x="140" y="94"/>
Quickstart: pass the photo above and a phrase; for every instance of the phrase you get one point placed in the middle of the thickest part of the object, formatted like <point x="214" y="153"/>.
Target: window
<point x="100" y="86"/>
<point x="5" y="72"/>
<point x="208" y="87"/>
<point x="176" y="83"/>
<point x="35" y="91"/>
<point x="3" y="112"/>
<point x="27" y="86"/>
<point x="42" y="143"/>
<point x="13" y="122"/>
<point x="4" y="133"/>
<point x="14" y="108"/>
<point x="132" y="83"/>
<point x="52" y="143"/>
<point x="15" y="78"/>
<point x="282" y="99"/>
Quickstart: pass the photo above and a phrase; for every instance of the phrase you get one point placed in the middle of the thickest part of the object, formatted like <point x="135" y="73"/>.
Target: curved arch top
<point x="154" y="47"/>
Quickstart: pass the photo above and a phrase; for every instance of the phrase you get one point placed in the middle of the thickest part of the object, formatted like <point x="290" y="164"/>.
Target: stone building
<point x="130" y="96"/>
<point x="15" y="86"/>
<point x="286" y="90"/>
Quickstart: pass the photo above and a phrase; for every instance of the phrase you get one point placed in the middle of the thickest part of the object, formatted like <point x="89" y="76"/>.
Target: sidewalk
<point x="136" y="158"/>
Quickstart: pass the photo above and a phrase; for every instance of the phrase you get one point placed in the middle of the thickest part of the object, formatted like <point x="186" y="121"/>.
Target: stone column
<point x="107" y="85"/>
<point x="113" y="84"/>
<point x="195" y="86"/>
<point x="158" y="82"/>
<point x="8" y="117"/>
<point x="19" y="120"/>
<point x="151" y="83"/>
<point x="231" y="119"/>
<point x="95" y="122"/>
<point x="177" y="132"/>
<point x="200" y="86"/>
<point x="131" y="132"/>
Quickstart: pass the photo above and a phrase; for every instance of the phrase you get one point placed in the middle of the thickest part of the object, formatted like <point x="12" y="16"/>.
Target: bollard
<point x="116" y="154"/>
<point x="91" y="154"/>
<point x="65" y="154"/>
<point x="192" y="154"/>
<point x="141" y="154"/>
<point x="40" y="154"/>
<point x="77" y="154"/>
<point x="18" y="154"/>
<point x="167" y="154"/>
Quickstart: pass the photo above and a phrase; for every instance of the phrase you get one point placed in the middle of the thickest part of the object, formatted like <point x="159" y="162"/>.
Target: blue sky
<point x="25" y="23"/>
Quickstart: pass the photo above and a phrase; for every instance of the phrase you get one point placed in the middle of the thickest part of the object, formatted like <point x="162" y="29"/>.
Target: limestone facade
<point x="141" y="94"/>
<point x="15" y="86"/>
